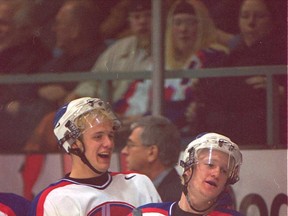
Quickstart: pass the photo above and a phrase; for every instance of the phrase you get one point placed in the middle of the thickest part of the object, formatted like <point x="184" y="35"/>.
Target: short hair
<point x="160" y="131"/>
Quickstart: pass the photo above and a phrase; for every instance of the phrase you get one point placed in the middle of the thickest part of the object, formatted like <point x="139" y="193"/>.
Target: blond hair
<point x="206" y="34"/>
<point x="88" y="119"/>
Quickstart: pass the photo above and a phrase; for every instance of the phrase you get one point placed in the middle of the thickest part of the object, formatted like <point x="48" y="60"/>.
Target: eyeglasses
<point x="132" y="145"/>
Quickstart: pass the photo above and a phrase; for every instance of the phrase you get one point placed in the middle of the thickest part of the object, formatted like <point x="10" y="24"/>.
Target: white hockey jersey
<point x="112" y="194"/>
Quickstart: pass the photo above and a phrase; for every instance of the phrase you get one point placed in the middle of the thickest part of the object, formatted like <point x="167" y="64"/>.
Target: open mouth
<point x="104" y="155"/>
<point x="212" y="183"/>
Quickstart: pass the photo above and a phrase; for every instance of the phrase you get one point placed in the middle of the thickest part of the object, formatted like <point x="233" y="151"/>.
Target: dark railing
<point x="106" y="77"/>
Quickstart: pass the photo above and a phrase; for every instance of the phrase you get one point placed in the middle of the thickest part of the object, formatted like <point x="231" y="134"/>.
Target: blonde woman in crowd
<point x="189" y="29"/>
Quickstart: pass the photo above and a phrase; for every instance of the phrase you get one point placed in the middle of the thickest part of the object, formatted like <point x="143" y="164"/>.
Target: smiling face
<point x="184" y="31"/>
<point x="209" y="175"/>
<point x="99" y="144"/>
<point x="96" y="142"/>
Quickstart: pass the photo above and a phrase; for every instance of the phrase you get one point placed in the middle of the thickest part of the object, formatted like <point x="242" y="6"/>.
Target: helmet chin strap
<point x="185" y="191"/>
<point x="84" y="159"/>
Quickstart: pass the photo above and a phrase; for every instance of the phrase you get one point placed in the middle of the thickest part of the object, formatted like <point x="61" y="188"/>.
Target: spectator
<point x="188" y="23"/>
<point x="189" y="29"/>
<point x="85" y="128"/>
<point x="259" y="21"/>
<point x="153" y="149"/>
<point x="21" y="52"/>
<point x="237" y="106"/>
<point x="131" y="53"/>
<point x="210" y="163"/>
<point x="77" y="40"/>
<point x="13" y="205"/>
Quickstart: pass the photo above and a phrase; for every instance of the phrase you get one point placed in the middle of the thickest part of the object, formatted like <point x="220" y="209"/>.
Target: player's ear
<point x="187" y="173"/>
<point x="153" y="153"/>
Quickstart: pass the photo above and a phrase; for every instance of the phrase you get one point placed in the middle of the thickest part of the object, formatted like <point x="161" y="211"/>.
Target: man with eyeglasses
<point x="153" y="149"/>
<point x="210" y="163"/>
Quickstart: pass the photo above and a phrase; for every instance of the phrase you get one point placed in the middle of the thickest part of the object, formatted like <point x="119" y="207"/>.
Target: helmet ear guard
<point x="70" y="136"/>
<point x="234" y="177"/>
<point x="191" y="160"/>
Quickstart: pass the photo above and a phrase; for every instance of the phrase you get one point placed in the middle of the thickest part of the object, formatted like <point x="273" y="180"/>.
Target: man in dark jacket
<point x="153" y="149"/>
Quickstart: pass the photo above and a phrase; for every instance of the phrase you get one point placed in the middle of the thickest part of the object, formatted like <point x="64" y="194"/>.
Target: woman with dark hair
<point x="237" y="105"/>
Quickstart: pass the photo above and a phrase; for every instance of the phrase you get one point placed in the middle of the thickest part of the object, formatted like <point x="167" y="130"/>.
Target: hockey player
<point x="13" y="205"/>
<point x="85" y="129"/>
<point x="210" y="163"/>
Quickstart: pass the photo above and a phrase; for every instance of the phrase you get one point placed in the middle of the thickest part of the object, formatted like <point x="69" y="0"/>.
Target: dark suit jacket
<point x="170" y="188"/>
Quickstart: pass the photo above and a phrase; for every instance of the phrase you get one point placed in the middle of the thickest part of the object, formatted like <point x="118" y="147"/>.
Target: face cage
<point x="218" y="145"/>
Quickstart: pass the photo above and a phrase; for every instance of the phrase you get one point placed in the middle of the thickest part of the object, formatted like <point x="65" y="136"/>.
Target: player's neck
<point x="82" y="171"/>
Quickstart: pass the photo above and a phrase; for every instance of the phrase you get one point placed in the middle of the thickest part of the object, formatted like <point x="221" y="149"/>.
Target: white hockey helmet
<point x="66" y="128"/>
<point x="214" y="141"/>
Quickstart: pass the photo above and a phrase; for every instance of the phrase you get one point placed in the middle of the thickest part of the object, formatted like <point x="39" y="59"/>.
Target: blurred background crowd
<point x="63" y="36"/>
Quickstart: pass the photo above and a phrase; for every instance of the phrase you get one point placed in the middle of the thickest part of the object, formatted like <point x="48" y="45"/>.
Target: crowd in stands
<point x="237" y="105"/>
<point x="21" y="53"/>
<point x="115" y="36"/>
